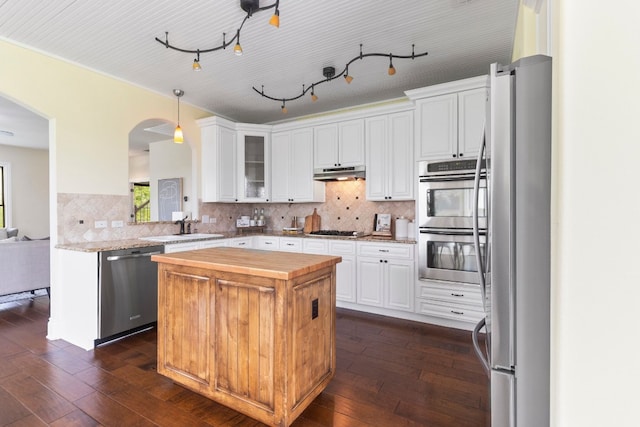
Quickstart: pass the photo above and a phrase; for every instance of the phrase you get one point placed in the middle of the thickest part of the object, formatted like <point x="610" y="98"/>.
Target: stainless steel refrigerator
<point x="516" y="264"/>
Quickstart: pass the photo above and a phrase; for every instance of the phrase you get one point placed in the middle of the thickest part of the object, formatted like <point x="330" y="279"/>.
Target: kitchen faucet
<point x="181" y="222"/>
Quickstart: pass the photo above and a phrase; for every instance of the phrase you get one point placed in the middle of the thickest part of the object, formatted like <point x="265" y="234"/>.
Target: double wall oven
<point x="447" y="250"/>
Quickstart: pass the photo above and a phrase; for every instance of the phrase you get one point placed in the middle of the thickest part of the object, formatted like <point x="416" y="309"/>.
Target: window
<point x="141" y="199"/>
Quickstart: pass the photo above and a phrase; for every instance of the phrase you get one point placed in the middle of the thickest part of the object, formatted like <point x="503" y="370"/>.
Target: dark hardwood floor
<point x="389" y="373"/>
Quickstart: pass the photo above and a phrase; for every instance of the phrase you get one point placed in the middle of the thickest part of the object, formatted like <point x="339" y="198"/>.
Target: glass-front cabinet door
<point x="254" y="173"/>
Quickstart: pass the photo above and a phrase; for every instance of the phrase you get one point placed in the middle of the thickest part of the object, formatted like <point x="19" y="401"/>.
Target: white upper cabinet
<point x="254" y="172"/>
<point x="219" y="160"/>
<point x="339" y="144"/>
<point x="292" y="168"/>
<point x="450" y="119"/>
<point x="389" y="157"/>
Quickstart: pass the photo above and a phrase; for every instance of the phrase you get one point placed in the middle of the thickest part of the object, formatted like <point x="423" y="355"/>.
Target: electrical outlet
<point x="117" y="224"/>
<point x="100" y="224"/>
<point x="212" y="220"/>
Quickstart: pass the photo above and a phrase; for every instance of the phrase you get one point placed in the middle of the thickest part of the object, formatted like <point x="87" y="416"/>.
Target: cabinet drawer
<point x="396" y="251"/>
<point x="241" y="242"/>
<point x="342" y="248"/>
<point x="267" y="243"/>
<point x="291" y="244"/>
<point x="315" y="246"/>
<point x="468" y="295"/>
<point x="449" y="311"/>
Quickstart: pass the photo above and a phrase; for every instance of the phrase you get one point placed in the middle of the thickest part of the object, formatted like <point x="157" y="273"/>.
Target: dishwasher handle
<point x="120" y="257"/>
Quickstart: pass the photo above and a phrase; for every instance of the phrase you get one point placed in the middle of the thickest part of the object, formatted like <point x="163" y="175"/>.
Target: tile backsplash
<point x="345" y="208"/>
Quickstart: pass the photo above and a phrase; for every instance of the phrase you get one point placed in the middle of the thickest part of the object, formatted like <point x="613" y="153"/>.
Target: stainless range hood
<point x="339" y="173"/>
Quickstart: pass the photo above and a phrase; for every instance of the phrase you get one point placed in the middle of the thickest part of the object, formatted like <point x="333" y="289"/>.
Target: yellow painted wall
<point x="29" y="189"/>
<point x="93" y="116"/>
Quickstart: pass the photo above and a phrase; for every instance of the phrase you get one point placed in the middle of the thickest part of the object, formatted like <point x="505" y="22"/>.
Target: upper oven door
<point x="447" y="202"/>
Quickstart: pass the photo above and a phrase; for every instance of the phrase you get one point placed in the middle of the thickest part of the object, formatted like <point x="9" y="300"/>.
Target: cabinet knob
<point x="460" y="155"/>
<point x="455" y="155"/>
<point x="386" y="261"/>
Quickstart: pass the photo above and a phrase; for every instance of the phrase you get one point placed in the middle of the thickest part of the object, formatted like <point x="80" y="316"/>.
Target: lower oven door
<point x="449" y="255"/>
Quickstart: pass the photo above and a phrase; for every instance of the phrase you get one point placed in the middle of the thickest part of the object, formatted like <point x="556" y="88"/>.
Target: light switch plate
<point x="100" y="224"/>
<point x="117" y="224"/>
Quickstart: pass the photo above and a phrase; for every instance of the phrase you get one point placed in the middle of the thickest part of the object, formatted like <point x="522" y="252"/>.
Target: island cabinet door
<point x="183" y="327"/>
<point x="245" y="342"/>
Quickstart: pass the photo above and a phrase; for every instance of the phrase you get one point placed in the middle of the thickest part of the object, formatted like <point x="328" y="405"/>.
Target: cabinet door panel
<point x="301" y="181"/>
<point x="437" y="127"/>
<point x="471" y="118"/>
<point x="370" y="281"/>
<point x="399" y="290"/>
<point x="325" y="146"/>
<point x="280" y="160"/>
<point x="377" y="177"/>
<point x="227" y="165"/>
<point x="401" y="156"/>
<point x="351" y="143"/>
<point x="346" y="279"/>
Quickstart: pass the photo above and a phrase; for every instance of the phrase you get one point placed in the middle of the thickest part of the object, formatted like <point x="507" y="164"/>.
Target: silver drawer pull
<point x="268" y="243"/>
<point x="289" y="244"/>
<point x="242" y="243"/>
<point x="457" y="312"/>
<point x="383" y="250"/>
<point x="457" y="295"/>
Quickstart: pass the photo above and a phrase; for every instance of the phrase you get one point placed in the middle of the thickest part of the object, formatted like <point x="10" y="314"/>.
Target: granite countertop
<point x="111" y="245"/>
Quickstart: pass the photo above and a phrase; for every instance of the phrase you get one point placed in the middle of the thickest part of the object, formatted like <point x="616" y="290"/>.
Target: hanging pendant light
<point x="347" y="77"/>
<point x="178" y="137"/>
<point x="314" y="97"/>
<point x="392" y="69"/>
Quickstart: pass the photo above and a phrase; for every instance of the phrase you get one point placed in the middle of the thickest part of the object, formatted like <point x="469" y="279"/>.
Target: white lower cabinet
<point x="266" y="243"/>
<point x="192" y="246"/>
<point x="385" y="275"/>
<point x="241" y="242"/>
<point x="181" y="247"/>
<point x="290" y="244"/>
<point x="450" y="300"/>
<point x="346" y="270"/>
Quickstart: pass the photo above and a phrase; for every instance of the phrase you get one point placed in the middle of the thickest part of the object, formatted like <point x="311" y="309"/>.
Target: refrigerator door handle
<point x="476" y="228"/>
<point x="476" y="346"/>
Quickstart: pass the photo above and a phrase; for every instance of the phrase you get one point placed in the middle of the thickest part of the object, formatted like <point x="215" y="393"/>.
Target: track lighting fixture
<point x="330" y="74"/>
<point x="196" y="63"/>
<point x="347" y="77"/>
<point x="178" y="137"/>
<point x="392" y="69"/>
<point x="249" y="6"/>
<point x="237" y="49"/>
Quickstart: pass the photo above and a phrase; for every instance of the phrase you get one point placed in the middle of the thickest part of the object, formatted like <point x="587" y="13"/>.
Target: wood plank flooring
<point x="390" y="372"/>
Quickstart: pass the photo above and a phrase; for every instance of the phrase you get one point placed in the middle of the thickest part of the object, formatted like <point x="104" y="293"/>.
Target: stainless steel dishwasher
<point x="128" y="291"/>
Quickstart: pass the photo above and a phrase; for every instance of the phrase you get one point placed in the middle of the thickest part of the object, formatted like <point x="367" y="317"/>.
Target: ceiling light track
<point x="249" y="6"/>
<point x="330" y="74"/>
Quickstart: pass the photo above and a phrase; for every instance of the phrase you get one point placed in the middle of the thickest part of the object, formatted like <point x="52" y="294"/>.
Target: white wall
<point x="596" y="280"/>
<point x="139" y="168"/>
<point x="29" y="189"/>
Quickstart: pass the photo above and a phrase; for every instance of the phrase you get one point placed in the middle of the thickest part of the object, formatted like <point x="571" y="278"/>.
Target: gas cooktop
<point x="336" y="233"/>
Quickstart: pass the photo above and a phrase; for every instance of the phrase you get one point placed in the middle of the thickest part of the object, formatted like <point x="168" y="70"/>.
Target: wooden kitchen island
<point x="253" y="330"/>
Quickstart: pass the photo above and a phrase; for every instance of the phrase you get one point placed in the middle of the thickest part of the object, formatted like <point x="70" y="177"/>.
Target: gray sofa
<point x="24" y="266"/>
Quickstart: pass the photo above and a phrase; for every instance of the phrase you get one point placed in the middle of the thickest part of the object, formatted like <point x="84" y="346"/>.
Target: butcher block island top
<point x="253" y="330"/>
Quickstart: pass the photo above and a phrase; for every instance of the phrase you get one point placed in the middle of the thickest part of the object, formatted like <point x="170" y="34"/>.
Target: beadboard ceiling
<point x="117" y="38"/>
